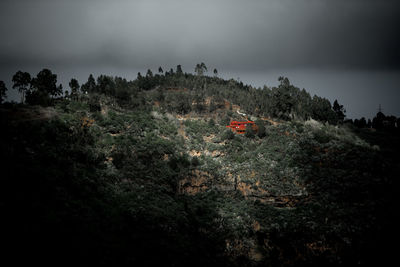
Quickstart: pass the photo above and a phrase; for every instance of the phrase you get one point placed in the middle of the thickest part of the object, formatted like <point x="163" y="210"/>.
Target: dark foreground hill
<point x="98" y="181"/>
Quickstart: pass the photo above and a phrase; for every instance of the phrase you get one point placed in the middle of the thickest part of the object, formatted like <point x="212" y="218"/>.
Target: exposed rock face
<point x="198" y="181"/>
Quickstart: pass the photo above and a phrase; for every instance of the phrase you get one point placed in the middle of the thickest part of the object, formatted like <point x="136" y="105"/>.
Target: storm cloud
<point x="231" y="34"/>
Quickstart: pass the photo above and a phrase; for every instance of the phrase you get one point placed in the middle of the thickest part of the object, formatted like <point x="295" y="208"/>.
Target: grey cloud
<point x="230" y="34"/>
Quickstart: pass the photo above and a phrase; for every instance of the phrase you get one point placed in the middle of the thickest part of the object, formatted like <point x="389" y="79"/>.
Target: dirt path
<point x="270" y="120"/>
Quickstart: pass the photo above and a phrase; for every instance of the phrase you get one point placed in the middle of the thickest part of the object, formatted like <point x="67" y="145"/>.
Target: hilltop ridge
<point x="150" y="175"/>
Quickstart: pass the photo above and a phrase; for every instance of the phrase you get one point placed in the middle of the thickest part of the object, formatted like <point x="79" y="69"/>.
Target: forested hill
<point x="146" y="173"/>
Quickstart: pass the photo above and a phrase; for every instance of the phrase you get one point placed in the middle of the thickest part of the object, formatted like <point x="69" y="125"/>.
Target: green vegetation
<point x="145" y="173"/>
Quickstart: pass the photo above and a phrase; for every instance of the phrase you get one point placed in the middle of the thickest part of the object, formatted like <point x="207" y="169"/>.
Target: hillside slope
<point x="109" y="184"/>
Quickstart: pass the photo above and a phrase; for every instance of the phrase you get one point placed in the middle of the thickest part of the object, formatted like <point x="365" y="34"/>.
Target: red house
<point x="240" y="126"/>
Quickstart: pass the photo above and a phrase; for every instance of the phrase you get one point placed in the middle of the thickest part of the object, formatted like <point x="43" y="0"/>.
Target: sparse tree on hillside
<point x="46" y="81"/>
<point x="94" y="103"/>
<point x="3" y="90"/>
<point x="339" y="110"/>
<point x="160" y="70"/>
<point x="200" y="69"/>
<point x="199" y="103"/>
<point x="179" y="70"/>
<point x="261" y="128"/>
<point x="282" y="99"/>
<point x="183" y="105"/>
<point x="74" y="85"/>
<point x="377" y="121"/>
<point x="249" y="131"/>
<point x="322" y="110"/>
<point x="123" y="90"/>
<point x="303" y="104"/>
<point x="160" y="94"/>
<point x="363" y="123"/>
<point x="90" y="85"/>
<point x="21" y="81"/>
<point x="106" y="85"/>
<point x="215" y="72"/>
<point x="43" y="88"/>
<point x="369" y="123"/>
<point x="146" y="82"/>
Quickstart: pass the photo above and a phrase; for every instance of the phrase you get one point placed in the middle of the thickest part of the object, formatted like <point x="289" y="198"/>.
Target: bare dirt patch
<point x="198" y="181"/>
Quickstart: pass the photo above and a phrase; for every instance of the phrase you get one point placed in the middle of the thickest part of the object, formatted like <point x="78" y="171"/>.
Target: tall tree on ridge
<point x="339" y="110"/>
<point x="215" y="72"/>
<point x="89" y="86"/>
<point x="179" y="70"/>
<point x="46" y="81"/>
<point x="74" y="85"/>
<point x="21" y="81"/>
<point x="200" y="69"/>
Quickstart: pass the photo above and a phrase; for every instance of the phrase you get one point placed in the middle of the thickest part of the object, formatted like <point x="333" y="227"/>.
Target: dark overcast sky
<point x="344" y="49"/>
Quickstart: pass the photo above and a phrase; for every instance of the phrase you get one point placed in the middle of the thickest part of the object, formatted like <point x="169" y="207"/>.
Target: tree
<point x="303" y="104"/>
<point x="160" y="94"/>
<point x="198" y="100"/>
<point x="339" y="110"/>
<point x="46" y="82"/>
<point x="203" y="66"/>
<point x="90" y="85"/>
<point x="249" y="131"/>
<point x="106" y="85"/>
<point x="146" y="82"/>
<point x="43" y="88"/>
<point x="74" y="85"/>
<point x="228" y="135"/>
<point x="377" y="121"/>
<point x="261" y="128"/>
<point x="179" y="70"/>
<point x="3" y="90"/>
<point x="200" y="69"/>
<point x="369" y="123"/>
<point x="322" y="110"/>
<point x="21" y="81"/>
<point x="94" y="103"/>
<point x="282" y="100"/>
<point x="160" y="70"/>
<point x="149" y="74"/>
<point x="362" y="123"/>
<point x="123" y="90"/>
<point x="215" y="72"/>
<point x="183" y="105"/>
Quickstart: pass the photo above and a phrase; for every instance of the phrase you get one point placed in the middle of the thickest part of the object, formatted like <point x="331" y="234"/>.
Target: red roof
<point x="239" y="126"/>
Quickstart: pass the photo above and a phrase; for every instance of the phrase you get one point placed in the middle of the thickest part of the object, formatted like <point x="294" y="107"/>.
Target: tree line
<point x="285" y="101"/>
